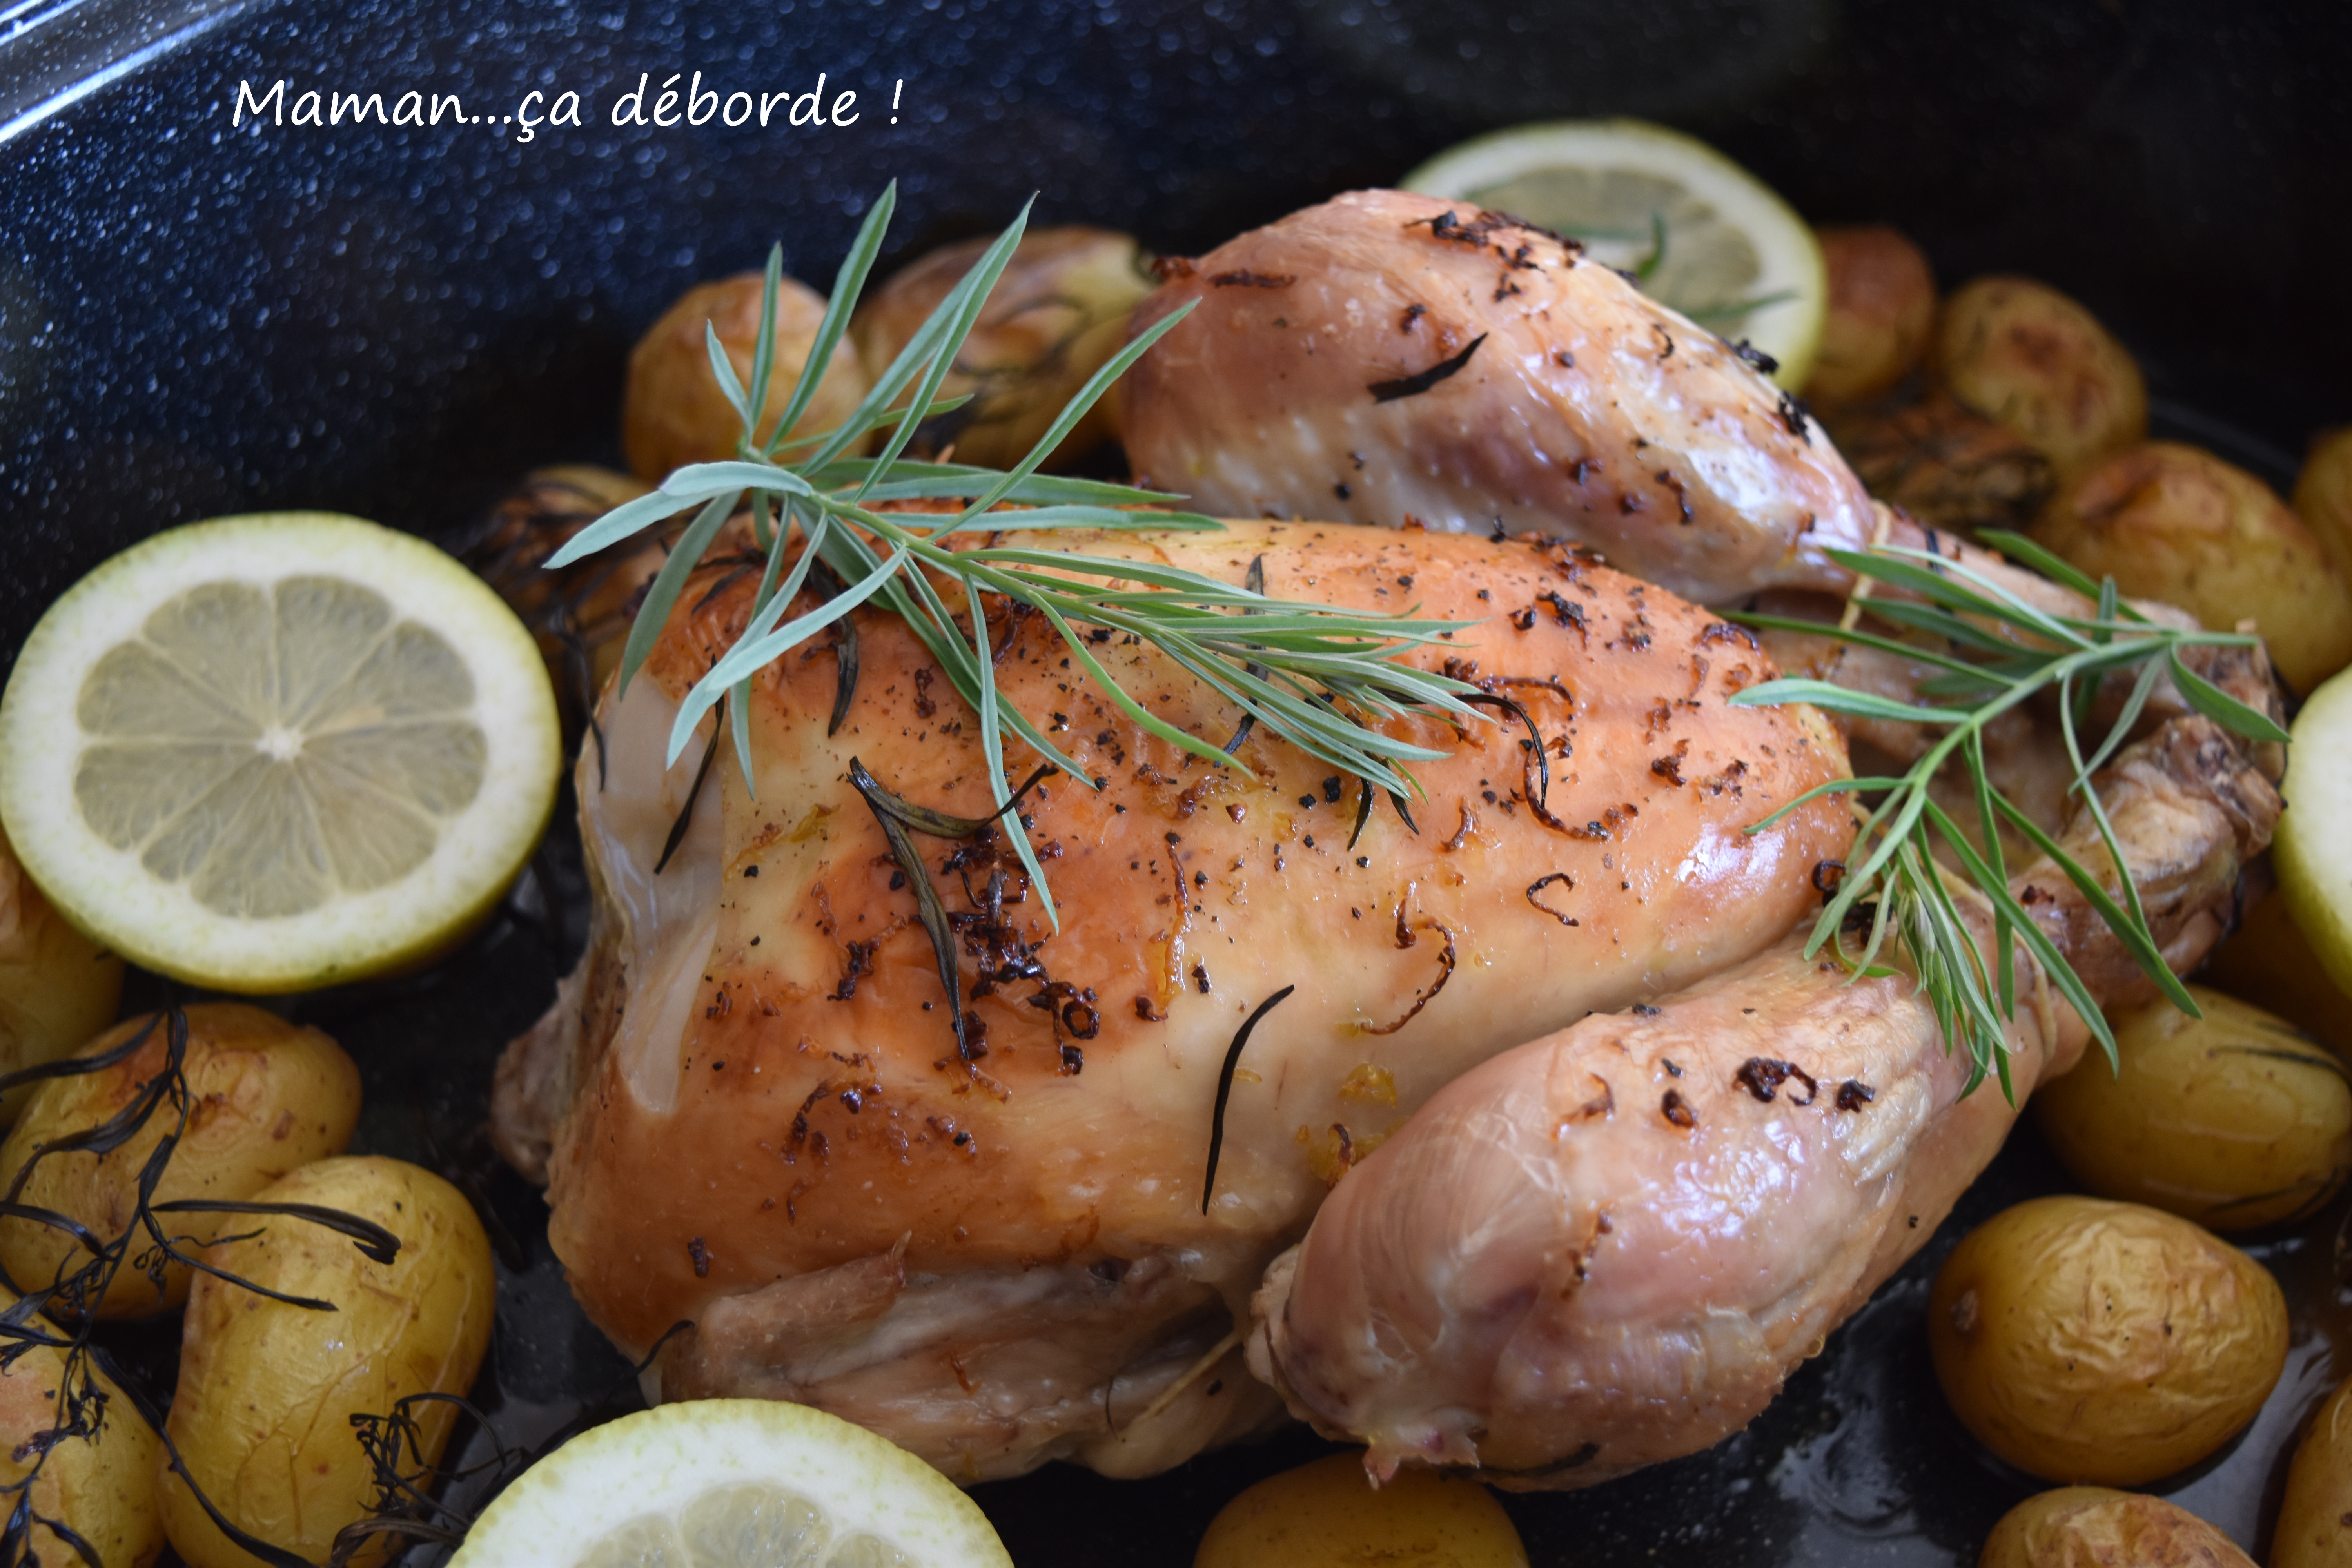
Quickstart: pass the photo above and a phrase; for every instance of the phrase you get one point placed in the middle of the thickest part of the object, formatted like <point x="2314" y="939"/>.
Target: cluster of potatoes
<point x="2111" y="1341"/>
<point x="261" y="1419"/>
<point x="2008" y="405"/>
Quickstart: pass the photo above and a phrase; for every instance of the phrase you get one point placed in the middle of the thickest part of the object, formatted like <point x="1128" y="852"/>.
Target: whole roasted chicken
<point x="1506" y="1126"/>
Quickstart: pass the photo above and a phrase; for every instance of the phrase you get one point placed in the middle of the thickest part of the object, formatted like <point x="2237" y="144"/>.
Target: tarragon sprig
<point x="2002" y="652"/>
<point x="1317" y="675"/>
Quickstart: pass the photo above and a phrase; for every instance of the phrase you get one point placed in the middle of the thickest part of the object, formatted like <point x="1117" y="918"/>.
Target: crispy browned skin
<point x="757" y="1083"/>
<point x="1586" y="408"/>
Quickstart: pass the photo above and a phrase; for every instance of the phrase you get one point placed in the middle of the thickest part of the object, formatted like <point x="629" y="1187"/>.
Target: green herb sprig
<point x="1896" y="880"/>
<point x="1317" y="675"/>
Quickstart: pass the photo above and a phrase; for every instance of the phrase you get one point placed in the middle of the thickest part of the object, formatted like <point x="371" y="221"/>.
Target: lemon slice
<point x="731" y="1483"/>
<point x="268" y="752"/>
<point x="1735" y="258"/>
<point x="2314" y="848"/>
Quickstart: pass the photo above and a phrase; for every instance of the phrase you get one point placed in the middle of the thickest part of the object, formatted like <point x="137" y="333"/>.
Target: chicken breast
<point x="750" y="1107"/>
<point x="1386" y="358"/>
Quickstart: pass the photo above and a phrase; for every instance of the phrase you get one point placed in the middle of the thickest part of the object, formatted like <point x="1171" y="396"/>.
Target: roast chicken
<point x="1548" y="1150"/>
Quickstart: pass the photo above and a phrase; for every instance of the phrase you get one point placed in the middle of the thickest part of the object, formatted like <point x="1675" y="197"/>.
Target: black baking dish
<point x="198" y="317"/>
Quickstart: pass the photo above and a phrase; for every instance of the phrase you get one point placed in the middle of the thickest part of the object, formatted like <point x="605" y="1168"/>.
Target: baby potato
<point x="1327" y="1515"/>
<point x="673" y="413"/>
<point x="2323" y="496"/>
<point x="2092" y="1341"/>
<point x="2031" y="360"/>
<point x="2090" y="1527"/>
<point x="103" y="1488"/>
<point x="2171" y="522"/>
<point x="2233" y="1119"/>
<point x="2269" y="958"/>
<point x="1949" y="468"/>
<point x="267" y="1391"/>
<point x="1055" y="315"/>
<point x="1882" y="307"/>
<point x="58" y="987"/>
<point x="264" y="1098"/>
<point x="581" y="614"/>
<point x="2312" y="1531"/>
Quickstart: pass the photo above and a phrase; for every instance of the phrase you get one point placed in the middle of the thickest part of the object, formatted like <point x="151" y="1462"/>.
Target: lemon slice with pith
<point x="731" y="1483"/>
<point x="1702" y="234"/>
<point x="269" y="753"/>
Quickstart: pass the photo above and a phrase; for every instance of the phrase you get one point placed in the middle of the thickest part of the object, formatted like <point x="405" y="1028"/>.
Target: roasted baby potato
<point x="2171" y="522"/>
<point x="2031" y="360"/>
<point x="1329" y="1515"/>
<point x="2314" y="1518"/>
<point x="265" y="1097"/>
<point x="103" y="1487"/>
<point x="2323" y="497"/>
<point x="1945" y="466"/>
<point x="2268" y="959"/>
<point x="2092" y="1527"/>
<point x="1059" y="311"/>
<point x="578" y="615"/>
<point x="1882" y="307"/>
<point x="673" y="412"/>
<point x="267" y="1391"/>
<point x="2233" y="1119"/>
<point x="2092" y="1341"/>
<point x="58" y="987"/>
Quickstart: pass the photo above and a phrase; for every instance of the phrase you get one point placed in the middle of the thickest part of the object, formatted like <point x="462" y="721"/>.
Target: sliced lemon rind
<point x="659" y="1460"/>
<point x="106" y="891"/>
<point x="1791" y="255"/>
<point x="2313" y="847"/>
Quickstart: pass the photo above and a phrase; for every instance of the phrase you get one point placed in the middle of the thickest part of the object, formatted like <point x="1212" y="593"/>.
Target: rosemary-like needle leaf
<point x="1322" y="678"/>
<point x="1998" y="651"/>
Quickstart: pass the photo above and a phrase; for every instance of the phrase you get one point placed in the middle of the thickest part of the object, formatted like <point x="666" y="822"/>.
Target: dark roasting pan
<point x="196" y="319"/>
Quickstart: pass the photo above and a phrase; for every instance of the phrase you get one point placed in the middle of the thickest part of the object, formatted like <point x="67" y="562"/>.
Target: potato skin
<point x="101" y="1488"/>
<point x="1055" y="315"/>
<point x="262" y="1418"/>
<point x="58" y="987"/>
<point x="2269" y="958"/>
<point x="2085" y="1341"/>
<point x="1882" y="307"/>
<point x="2092" y="1527"/>
<point x="2311" y="1532"/>
<point x="1946" y="466"/>
<point x="2172" y="522"/>
<point x="2031" y="360"/>
<point x="265" y="1098"/>
<point x="1327" y="1515"/>
<point x="2234" y="1120"/>
<point x="2323" y="496"/>
<point x="673" y="413"/>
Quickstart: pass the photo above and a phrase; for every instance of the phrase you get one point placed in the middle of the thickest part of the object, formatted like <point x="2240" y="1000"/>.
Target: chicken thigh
<point x="1611" y="1247"/>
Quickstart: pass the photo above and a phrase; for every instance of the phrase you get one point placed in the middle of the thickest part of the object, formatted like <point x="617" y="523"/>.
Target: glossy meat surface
<point x="1611" y="1247"/>
<point x="751" y="1108"/>
<point x="1323" y="375"/>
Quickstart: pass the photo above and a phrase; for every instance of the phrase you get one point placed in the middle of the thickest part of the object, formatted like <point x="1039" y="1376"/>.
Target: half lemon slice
<point x="731" y="1483"/>
<point x="1700" y="233"/>
<point x="270" y="752"/>
<point x="2314" y="848"/>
